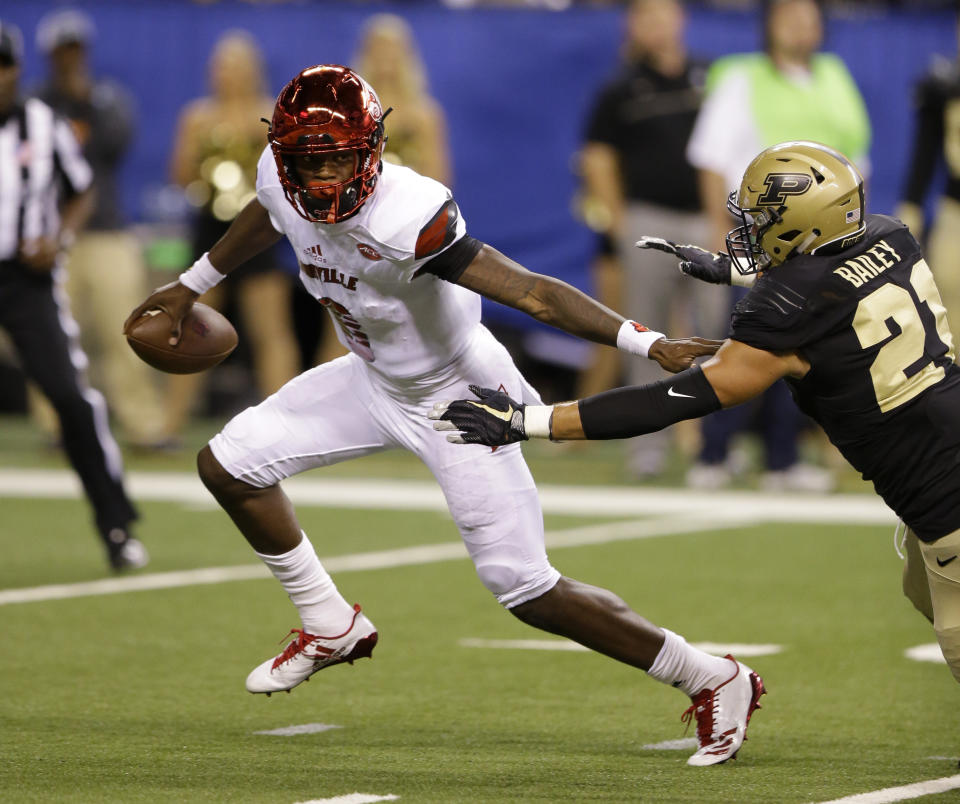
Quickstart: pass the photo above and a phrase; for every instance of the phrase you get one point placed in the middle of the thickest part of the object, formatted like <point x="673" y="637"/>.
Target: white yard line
<point x="682" y="744"/>
<point x="523" y="644"/>
<point x="673" y="511"/>
<point x="135" y="583"/>
<point x="417" y="495"/>
<point x="293" y="731"/>
<point x="926" y="653"/>
<point x="904" y="793"/>
<point x="739" y="649"/>
<point x="381" y="559"/>
<point x="716" y="648"/>
<point x="352" y="798"/>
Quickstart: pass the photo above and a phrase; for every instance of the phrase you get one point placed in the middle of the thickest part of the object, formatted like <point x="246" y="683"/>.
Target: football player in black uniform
<point x="845" y="309"/>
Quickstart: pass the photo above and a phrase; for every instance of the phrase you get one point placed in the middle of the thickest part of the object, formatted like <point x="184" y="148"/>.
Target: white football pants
<point x="345" y="409"/>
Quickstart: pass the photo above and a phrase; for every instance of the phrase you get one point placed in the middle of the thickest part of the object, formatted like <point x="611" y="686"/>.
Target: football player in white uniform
<point x="385" y="250"/>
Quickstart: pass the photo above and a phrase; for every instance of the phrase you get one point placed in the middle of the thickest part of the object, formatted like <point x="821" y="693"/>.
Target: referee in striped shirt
<point x="45" y="198"/>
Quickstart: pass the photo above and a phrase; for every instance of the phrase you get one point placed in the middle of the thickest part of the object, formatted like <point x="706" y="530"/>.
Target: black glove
<point x="495" y="420"/>
<point x="694" y="261"/>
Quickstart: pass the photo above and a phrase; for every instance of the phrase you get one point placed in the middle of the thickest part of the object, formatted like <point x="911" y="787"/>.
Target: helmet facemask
<point x="743" y="241"/>
<point x="328" y="203"/>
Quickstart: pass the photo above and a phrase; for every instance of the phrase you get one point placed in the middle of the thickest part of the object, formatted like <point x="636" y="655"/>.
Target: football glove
<point x="495" y="420"/>
<point x="716" y="268"/>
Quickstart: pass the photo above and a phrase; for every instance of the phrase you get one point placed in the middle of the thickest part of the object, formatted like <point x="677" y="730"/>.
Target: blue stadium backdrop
<point x="515" y="84"/>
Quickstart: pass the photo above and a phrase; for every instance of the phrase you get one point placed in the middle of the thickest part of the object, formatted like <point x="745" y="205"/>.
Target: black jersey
<point x="882" y="381"/>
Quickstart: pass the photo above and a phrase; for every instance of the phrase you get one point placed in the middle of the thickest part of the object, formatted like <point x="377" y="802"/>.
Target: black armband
<point x="450" y="264"/>
<point x="628" y="412"/>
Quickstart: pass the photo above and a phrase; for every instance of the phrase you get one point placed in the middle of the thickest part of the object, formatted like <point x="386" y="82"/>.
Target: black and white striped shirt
<point x="40" y="163"/>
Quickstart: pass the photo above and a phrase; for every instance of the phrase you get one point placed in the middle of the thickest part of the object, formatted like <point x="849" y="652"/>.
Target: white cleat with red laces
<point x="723" y="713"/>
<point x="308" y="653"/>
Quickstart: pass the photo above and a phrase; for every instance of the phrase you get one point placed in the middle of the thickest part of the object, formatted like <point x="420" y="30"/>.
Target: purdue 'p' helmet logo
<point x="795" y="198"/>
<point x="780" y="185"/>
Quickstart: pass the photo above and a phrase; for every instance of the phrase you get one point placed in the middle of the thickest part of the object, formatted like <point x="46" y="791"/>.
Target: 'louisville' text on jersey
<point x="866" y="266"/>
<point x="330" y="275"/>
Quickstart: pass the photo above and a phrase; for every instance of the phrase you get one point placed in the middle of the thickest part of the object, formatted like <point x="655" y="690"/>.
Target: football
<point x="206" y="339"/>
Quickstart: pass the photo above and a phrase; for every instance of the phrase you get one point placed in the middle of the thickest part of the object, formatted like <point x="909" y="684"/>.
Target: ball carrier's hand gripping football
<point x="716" y="268"/>
<point x="250" y="233"/>
<point x="172" y="333"/>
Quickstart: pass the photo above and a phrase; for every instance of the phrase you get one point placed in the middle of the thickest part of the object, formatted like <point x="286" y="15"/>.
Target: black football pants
<point x="52" y="358"/>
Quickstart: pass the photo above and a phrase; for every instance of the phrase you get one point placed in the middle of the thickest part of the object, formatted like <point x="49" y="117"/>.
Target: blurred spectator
<point x="639" y="182"/>
<point x="46" y="197"/>
<point x="788" y="92"/>
<point x="106" y="274"/>
<point x="936" y="138"/>
<point x="219" y="140"/>
<point x="389" y="59"/>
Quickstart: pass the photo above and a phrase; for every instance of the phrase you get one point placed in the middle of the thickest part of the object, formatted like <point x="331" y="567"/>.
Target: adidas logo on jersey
<point x="314" y="255"/>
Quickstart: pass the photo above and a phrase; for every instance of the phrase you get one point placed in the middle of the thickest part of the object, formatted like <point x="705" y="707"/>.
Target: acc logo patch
<point x="780" y="185"/>
<point x="368" y="251"/>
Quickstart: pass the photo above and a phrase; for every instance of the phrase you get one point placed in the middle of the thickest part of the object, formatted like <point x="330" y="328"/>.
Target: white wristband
<point x="636" y="338"/>
<point x="201" y="276"/>
<point x="536" y="420"/>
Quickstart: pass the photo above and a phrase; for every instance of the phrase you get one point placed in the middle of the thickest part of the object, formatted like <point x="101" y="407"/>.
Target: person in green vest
<point x="789" y="91"/>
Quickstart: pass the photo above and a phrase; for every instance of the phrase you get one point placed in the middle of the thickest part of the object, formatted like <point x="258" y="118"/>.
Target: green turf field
<point x="139" y="696"/>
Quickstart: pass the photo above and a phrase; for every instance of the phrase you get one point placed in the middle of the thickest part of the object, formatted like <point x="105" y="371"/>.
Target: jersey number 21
<point x="902" y="368"/>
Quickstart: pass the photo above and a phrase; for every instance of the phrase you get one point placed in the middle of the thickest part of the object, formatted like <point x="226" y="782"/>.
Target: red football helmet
<point x="325" y="109"/>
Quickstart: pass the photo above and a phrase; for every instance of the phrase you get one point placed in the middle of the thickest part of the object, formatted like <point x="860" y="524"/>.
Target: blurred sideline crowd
<point x="562" y="4"/>
<point x="667" y="138"/>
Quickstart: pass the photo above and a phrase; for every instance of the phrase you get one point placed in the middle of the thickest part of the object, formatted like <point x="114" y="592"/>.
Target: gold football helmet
<point x="795" y="198"/>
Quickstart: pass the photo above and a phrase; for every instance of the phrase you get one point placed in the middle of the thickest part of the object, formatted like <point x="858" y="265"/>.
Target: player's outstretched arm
<point x="707" y="266"/>
<point x="250" y="233"/>
<point x="495" y="276"/>
<point x="494" y="419"/>
<point x="735" y="374"/>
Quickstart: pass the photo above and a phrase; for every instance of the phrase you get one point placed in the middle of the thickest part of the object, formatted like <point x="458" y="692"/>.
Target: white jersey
<point x="365" y="270"/>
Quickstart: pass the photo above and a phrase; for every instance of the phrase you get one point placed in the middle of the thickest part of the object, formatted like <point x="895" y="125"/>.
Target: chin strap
<point x="802" y="248"/>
